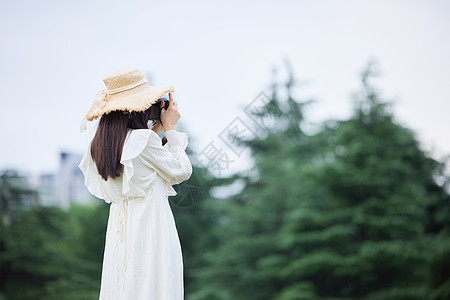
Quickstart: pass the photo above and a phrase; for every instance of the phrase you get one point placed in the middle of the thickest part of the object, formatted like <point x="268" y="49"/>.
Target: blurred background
<point x="317" y="132"/>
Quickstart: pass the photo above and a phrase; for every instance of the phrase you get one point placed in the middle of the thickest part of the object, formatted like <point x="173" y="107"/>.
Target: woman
<point x="127" y="165"/>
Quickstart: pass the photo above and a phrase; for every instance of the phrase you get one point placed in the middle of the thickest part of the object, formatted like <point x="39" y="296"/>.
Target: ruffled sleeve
<point x="113" y="190"/>
<point x="92" y="179"/>
<point x="134" y="145"/>
<point x="169" y="161"/>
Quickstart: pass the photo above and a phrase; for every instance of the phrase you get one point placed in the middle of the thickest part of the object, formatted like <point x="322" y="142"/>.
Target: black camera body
<point x="155" y="110"/>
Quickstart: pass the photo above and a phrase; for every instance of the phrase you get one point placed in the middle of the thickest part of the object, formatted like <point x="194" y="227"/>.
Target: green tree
<point x="46" y="252"/>
<point x="15" y="195"/>
<point x="371" y="239"/>
<point x="245" y="261"/>
<point x="45" y="257"/>
<point x="350" y="212"/>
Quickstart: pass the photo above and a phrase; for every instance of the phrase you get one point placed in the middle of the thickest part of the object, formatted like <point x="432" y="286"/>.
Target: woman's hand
<point x="156" y="126"/>
<point x="170" y="116"/>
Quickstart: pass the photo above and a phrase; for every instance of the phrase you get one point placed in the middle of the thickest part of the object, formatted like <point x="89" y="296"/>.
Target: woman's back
<point x="128" y="167"/>
<point x="143" y="159"/>
<point x="142" y="258"/>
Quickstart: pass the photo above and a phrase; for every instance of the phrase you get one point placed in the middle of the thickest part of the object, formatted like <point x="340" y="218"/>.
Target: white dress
<point x="143" y="257"/>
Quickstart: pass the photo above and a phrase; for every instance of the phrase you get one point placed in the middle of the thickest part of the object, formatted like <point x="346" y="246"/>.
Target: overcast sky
<point x="218" y="55"/>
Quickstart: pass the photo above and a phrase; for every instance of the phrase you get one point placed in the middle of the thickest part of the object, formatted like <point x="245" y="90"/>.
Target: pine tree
<point x="351" y="212"/>
<point x="369" y="238"/>
<point x="245" y="263"/>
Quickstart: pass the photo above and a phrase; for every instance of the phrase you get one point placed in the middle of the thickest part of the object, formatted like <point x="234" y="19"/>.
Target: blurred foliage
<point x="50" y="253"/>
<point x="353" y="210"/>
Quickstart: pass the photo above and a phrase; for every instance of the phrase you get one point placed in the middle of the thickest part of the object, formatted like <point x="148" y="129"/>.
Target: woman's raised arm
<point x="169" y="161"/>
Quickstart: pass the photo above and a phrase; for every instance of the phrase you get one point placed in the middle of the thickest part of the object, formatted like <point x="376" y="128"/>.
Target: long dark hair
<point x="107" y="144"/>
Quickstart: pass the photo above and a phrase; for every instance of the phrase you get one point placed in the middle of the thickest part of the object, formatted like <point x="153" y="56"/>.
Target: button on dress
<point x="142" y="257"/>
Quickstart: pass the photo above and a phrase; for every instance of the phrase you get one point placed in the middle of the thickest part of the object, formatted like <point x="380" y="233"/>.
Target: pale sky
<point x="218" y="56"/>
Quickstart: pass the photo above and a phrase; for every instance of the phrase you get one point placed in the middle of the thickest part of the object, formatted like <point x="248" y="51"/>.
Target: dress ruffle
<point x="133" y="146"/>
<point x="91" y="177"/>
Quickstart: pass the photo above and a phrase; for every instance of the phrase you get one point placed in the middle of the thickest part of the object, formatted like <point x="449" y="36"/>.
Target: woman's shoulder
<point x="142" y="140"/>
<point x="135" y="142"/>
<point x="138" y="136"/>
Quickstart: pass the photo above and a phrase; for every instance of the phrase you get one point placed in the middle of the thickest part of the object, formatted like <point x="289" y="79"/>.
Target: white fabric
<point x="143" y="257"/>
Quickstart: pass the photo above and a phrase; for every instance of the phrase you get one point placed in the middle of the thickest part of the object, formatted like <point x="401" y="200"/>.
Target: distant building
<point x="47" y="189"/>
<point x="66" y="186"/>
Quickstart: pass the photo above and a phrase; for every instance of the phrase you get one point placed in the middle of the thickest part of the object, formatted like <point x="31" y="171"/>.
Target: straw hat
<point x="127" y="90"/>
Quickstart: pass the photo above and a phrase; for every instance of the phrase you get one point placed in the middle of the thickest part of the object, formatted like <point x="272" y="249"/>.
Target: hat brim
<point x="139" y="98"/>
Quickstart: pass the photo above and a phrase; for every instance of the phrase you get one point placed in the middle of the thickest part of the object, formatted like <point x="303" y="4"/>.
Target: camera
<point x="155" y="110"/>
